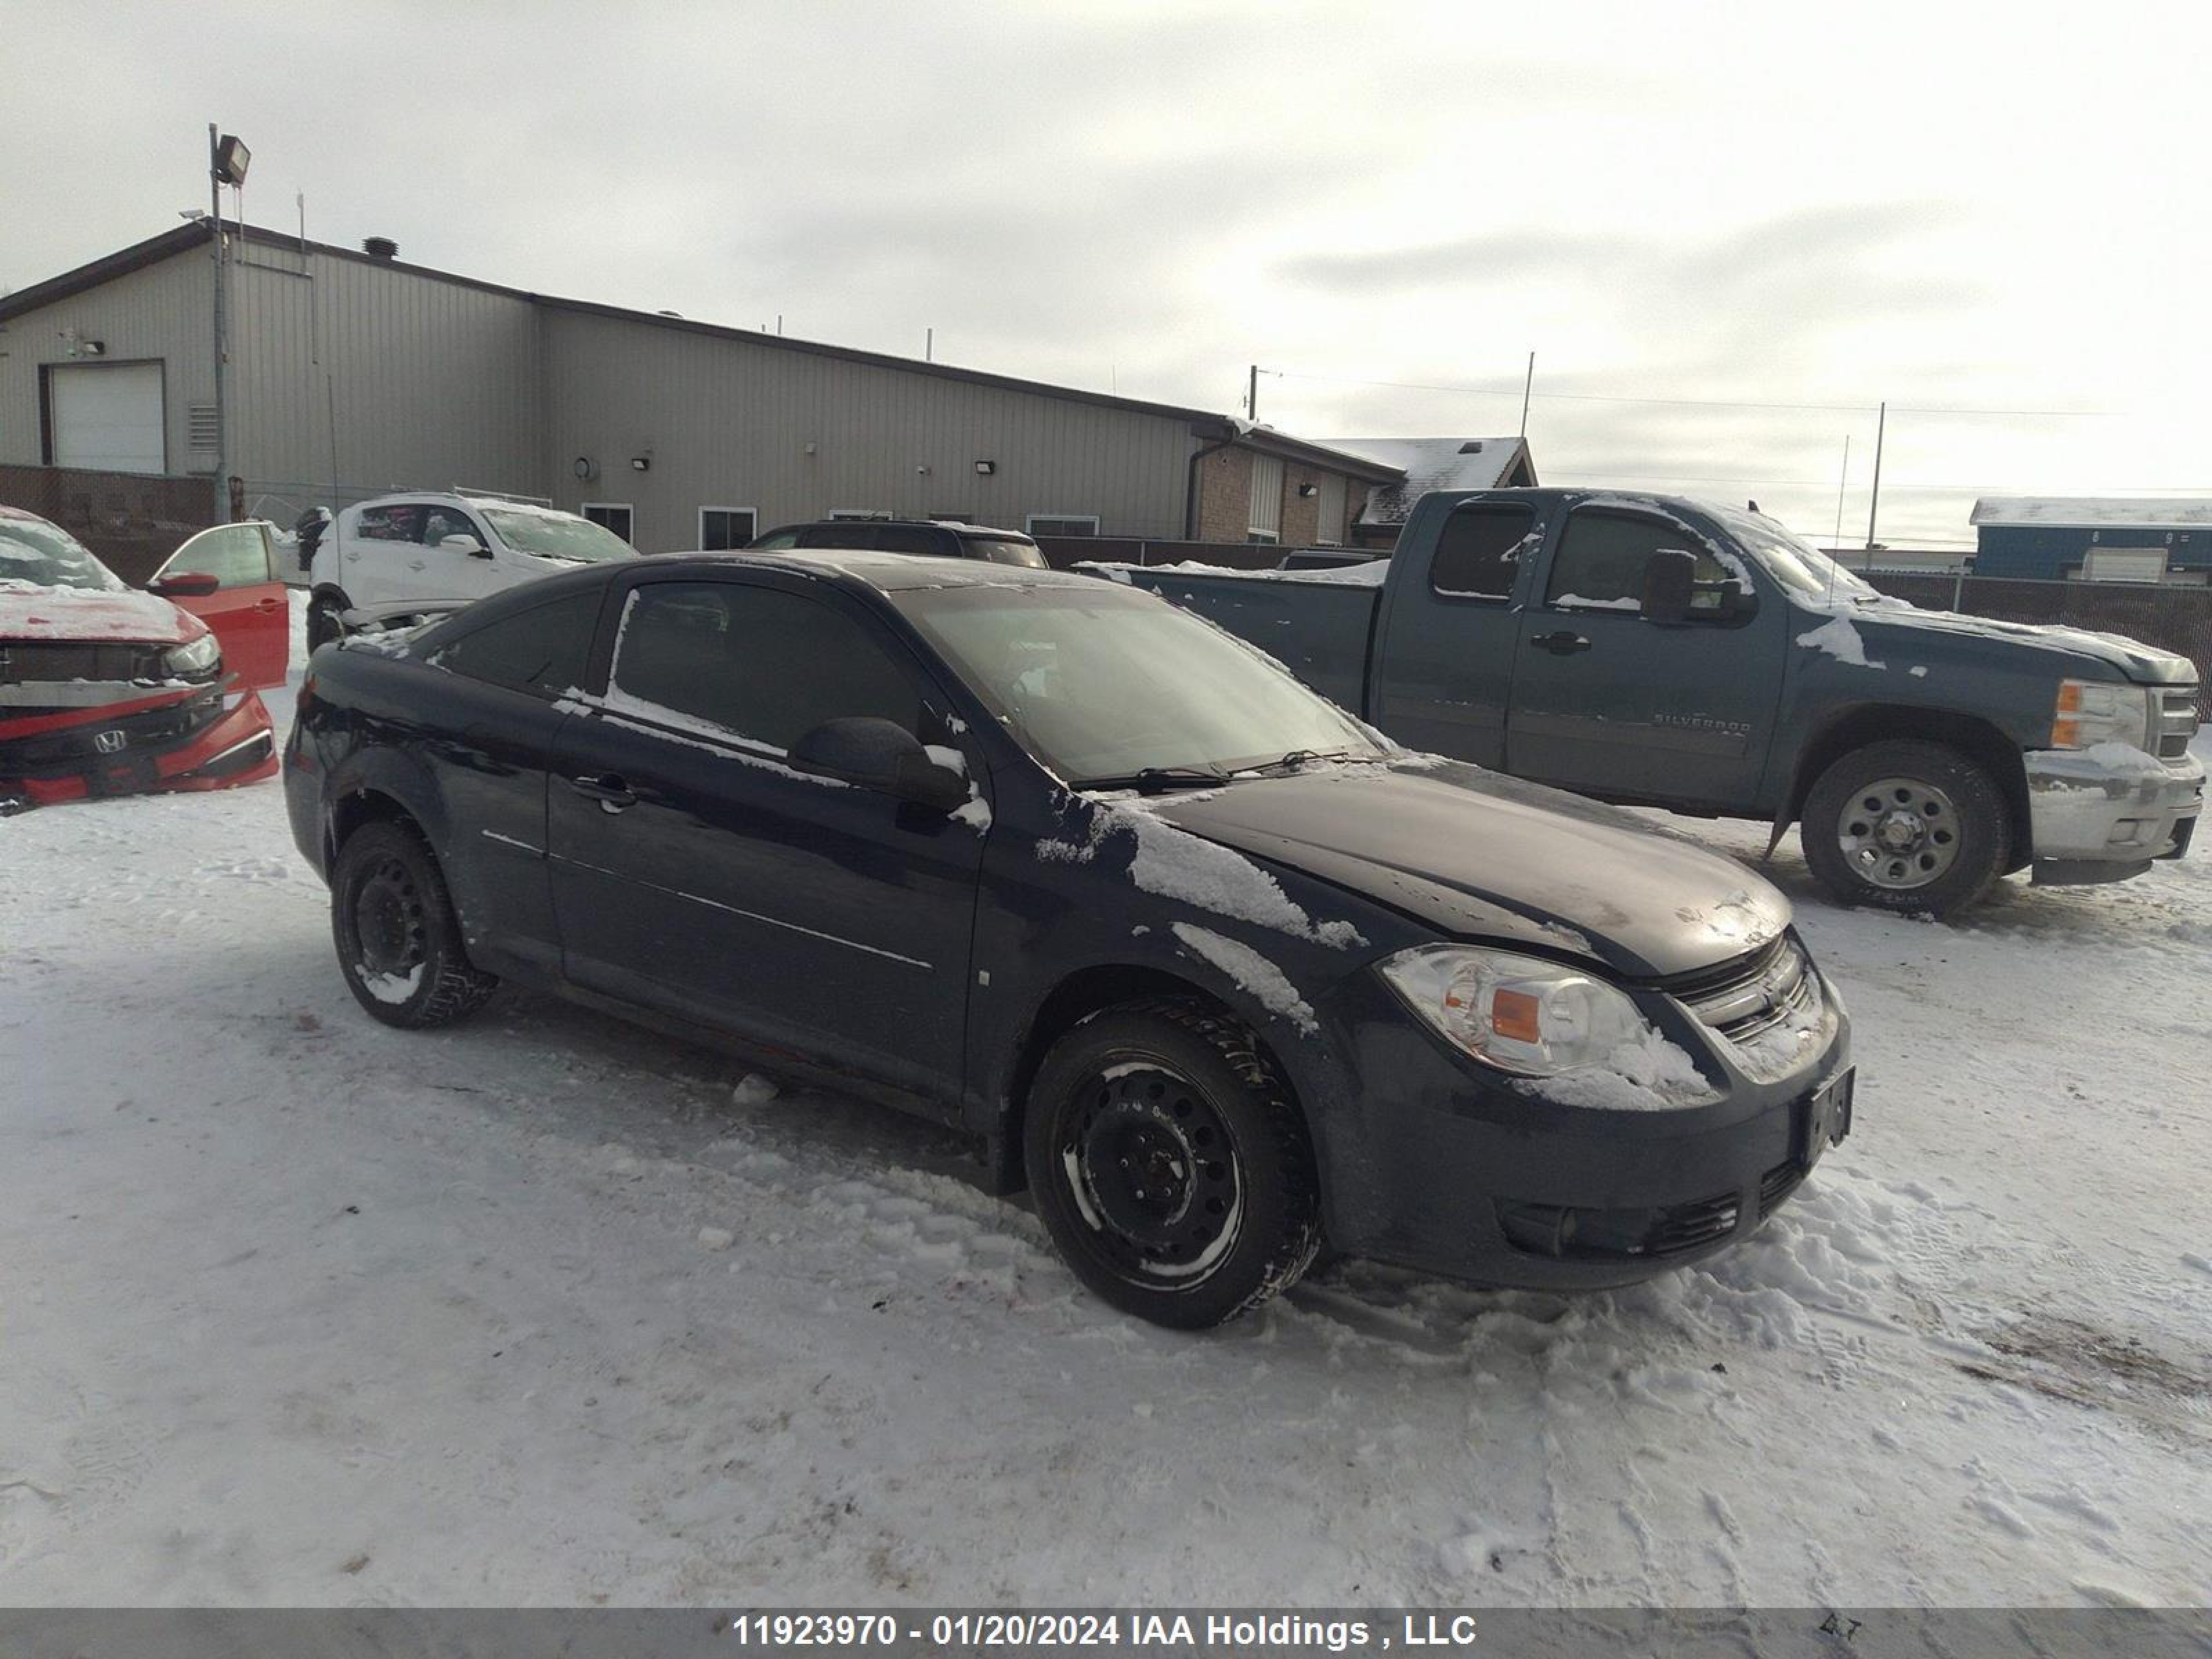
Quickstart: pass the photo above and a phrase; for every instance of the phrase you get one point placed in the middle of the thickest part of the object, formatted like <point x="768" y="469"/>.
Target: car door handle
<point x="1561" y="644"/>
<point x="608" y="789"/>
<point x="269" y="605"/>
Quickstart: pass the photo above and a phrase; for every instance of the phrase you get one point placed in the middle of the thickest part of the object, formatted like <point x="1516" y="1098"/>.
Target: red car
<point x="105" y="690"/>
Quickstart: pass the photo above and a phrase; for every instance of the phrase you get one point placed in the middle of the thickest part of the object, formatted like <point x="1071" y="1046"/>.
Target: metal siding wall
<point x="431" y="383"/>
<point x="726" y="423"/>
<point x="161" y="313"/>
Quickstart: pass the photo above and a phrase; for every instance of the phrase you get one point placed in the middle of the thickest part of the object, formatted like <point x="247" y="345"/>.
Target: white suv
<point x="438" y="548"/>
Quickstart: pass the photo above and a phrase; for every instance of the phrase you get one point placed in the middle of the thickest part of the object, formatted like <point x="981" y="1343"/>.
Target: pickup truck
<point x="1656" y="650"/>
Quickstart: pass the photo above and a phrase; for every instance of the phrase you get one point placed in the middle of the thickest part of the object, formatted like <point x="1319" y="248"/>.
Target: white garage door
<point x="108" y="415"/>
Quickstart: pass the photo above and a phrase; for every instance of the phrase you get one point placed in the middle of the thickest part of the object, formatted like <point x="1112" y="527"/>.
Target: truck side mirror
<point x="1669" y="579"/>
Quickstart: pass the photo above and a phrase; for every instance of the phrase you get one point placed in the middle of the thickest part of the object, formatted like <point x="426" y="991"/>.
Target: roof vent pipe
<point x="380" y="247"/>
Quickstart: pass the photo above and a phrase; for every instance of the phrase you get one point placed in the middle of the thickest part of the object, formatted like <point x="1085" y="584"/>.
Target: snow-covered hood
<point x="42" y="614"/>
<point x="2132" y="659"/>
<point x="1480" y="855"/>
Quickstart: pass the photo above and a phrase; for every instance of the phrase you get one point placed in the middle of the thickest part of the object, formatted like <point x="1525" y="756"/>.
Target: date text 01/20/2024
<point x="1175" y="1630"/>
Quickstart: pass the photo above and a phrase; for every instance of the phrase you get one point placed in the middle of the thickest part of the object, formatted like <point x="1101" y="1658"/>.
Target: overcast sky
<point x="1951" y="208"/>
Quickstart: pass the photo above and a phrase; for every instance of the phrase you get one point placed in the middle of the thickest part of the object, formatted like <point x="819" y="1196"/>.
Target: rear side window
<point x="1478" y="553"/>
<point x="758" y="663"/>
<point x="541" y="650"/>
<point x="389" y="524"/>
<point x="1599" y="564"/>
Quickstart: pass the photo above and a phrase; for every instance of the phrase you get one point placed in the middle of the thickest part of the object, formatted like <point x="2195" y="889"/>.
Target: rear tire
<point x="1171" y="1165"/>
<point x="399" y="942"/>
<point x="1908" y="826"/>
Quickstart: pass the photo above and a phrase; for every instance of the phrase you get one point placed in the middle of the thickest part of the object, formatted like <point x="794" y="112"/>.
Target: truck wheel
<point x="1171" y="1165"/>
<point x="1907" y="826"/>
<point x="399" y="941"/>
<point x="326" y="621"/>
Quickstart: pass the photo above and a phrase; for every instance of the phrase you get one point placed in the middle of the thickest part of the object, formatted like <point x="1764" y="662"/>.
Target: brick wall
<point x="1224" y="495"/>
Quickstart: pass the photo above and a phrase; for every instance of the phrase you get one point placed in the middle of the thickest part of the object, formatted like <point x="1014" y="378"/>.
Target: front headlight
<point x="2091" y="712"/>
<point x="1521" y="1014"/>
<point x="202" y="653"/>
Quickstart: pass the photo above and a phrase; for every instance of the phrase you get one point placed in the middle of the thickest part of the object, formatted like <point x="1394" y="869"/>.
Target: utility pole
<point x="1252" y="396"/>
<point x="929" y="346"/>
<point x="1528" y="390"/>
<point x="215" y="250"/>
<point x="1873" y="501"/>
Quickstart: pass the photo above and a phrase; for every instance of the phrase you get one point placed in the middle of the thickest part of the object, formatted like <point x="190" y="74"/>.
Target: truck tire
<point x="1914" y="827"/>
<point x="399" y="941"/>
<point x="1171" y="1165"/>
<point x="325" y="620"/>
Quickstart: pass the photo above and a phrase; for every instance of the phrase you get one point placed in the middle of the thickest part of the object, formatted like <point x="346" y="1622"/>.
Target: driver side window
<point x="759" y="663"/>
<point x="1602" y="553"/>
<point x="439" y="522"/>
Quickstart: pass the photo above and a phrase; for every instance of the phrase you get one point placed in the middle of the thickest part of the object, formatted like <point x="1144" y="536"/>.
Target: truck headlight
<point x="2091" y="712"/>
<point x="1521" y="1014"/>
<point x="184" y="660"/>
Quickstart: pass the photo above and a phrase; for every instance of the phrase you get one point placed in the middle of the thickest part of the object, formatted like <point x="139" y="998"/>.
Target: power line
<point x="1694" y="403"/>
<point x="1822" y="483"/>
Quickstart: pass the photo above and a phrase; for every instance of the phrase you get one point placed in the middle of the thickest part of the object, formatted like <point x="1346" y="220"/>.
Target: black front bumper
<point x="1433" y="1163"/>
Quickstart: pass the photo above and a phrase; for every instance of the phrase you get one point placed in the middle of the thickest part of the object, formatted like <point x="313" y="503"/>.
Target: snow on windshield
<point x="44" y="555"/>
<point x="557" y="536"/>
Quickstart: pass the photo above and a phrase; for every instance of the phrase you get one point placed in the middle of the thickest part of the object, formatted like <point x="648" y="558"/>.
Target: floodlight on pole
<point x="232" y="158"/>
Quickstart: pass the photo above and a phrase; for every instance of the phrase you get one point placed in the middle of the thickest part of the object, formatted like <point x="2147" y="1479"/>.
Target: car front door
<point x="248" y="612"/>
<point x="379" y="555"/>
<point x="455" y="561"/>
<point x="1610" y="703"/>
<point x="696" y="869"/>
<point x="1446" y="656"/>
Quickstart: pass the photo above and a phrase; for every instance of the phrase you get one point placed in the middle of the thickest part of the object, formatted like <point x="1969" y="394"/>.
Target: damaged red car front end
<point x="107" y="691"/>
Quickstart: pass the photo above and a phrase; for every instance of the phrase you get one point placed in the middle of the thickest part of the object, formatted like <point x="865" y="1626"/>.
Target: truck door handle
<point x="608" y="789"/>
<point x="1561" y="644"/>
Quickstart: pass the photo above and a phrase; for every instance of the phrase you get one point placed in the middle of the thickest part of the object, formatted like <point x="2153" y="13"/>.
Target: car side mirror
<point x="1670" y="578"/>
<point x="884" y="756"/>
<point x="465" y="544"/>
<point x="185" y="585"/>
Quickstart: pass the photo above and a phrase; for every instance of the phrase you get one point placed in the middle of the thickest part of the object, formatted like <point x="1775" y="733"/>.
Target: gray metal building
<point x="351" y="373"/>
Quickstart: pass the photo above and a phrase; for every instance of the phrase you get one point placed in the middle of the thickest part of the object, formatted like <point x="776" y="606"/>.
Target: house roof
<point x="2095" y="511"/>
<point x="1433" y="463"/>
<point x="1207" y="423"/>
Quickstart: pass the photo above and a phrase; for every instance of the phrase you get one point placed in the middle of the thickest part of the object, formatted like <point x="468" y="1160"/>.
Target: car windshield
<point x="1003" y="551"/>
<point x="44" y="555"/>
<point x="1793" y="561"/>
<point x="557" y="536"/>
<point x="1101" y="685"/>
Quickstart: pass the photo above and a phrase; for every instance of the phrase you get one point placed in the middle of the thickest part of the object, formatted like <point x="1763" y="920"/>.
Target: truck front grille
<point x="2174" y="721"/>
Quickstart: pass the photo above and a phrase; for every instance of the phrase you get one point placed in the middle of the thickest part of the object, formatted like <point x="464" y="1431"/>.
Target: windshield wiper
<point x="1297" y="758"/>
<point x="1157" y="779"/>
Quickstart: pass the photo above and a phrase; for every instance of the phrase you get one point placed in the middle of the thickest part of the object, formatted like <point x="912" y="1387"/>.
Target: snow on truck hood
<point x="41" y="613"/>
<point x="1477" y="855"/>
<point x="2133" y="659"/>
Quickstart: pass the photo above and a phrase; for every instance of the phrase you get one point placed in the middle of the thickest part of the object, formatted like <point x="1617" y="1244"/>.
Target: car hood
<point x="1479" y="856"/>
<point x="2130" y="659"/>
<point x="37" y="615"/>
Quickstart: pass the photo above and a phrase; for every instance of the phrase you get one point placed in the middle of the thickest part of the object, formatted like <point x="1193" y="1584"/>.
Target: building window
<point x="1329" y="526"/>
<point x="1265" y="521"/>
<point x="611" y="515"/>
<point x="721" y="528"/>
<point x="1062" y="523"/>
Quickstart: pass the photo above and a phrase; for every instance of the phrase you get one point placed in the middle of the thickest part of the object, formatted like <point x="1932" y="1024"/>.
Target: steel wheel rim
<point x="1151" y="1171"/>
<point x="1899" y="833"/>
<point x="391" y="935"/>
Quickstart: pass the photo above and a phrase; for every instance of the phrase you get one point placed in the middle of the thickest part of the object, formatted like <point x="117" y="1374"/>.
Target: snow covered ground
<point x="296" y="1308"/>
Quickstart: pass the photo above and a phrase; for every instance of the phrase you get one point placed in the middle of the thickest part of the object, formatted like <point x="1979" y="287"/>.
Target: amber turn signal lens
<point x="1514" y="1014"/>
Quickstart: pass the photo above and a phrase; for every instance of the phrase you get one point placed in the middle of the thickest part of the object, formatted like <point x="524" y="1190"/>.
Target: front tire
<point x="1171" y="1165"/>
<point x="1917" y="828"/>
<point x="326" y="621"/>
<point x="399" y="941"/>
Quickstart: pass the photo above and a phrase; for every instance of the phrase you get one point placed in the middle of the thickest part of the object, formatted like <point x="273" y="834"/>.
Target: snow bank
<point x="1372" y="573"/>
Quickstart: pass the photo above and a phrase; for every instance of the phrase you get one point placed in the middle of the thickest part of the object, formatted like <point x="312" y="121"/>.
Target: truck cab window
<point x="1599" y="564"/>
<point x="1479" y="551"/>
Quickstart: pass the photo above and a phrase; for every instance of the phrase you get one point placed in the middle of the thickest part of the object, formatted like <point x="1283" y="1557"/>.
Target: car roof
<point x="454" y="498"/>
<point x="23" y="514"/>
<point x="958" y="528"/>
<point x="887" y="573"/>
